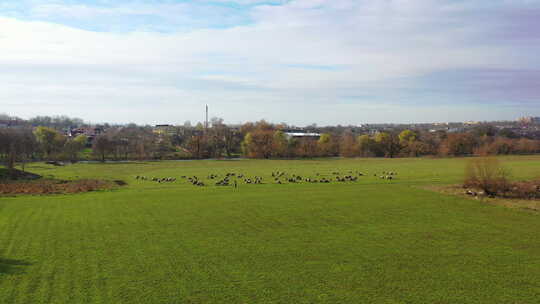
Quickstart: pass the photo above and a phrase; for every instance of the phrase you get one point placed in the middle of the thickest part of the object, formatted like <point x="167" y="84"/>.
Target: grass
<point x="374" y="241"/>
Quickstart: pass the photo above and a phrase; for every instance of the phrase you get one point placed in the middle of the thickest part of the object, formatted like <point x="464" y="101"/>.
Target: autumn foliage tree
<point x="366" y="145"/>
<point x="388" y="144"/>
<point x="279" y="144"/>
<point x="327" y="145"/>
<point x="258" y="143"/>
<point x="458" y="144"/>
<point x="306" y="147"/>
<point x="347" y="145"/>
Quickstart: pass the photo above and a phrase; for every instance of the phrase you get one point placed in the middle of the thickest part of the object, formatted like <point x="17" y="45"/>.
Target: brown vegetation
<point x="488" y="177"/>
<point x="510" y="202"/>
<point x="54" y="186"/>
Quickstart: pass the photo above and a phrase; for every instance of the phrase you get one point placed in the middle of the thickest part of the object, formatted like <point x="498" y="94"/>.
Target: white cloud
<point x="377" y="47"/>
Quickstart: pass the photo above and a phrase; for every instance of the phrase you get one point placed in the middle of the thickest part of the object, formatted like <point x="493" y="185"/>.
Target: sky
<point x="295" y="61"/>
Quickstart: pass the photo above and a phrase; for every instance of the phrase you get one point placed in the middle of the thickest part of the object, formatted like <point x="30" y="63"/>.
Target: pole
<point x="206" y="121"/>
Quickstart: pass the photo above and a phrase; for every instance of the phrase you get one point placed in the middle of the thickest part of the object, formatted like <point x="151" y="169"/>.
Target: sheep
<point x="472" y="193"/>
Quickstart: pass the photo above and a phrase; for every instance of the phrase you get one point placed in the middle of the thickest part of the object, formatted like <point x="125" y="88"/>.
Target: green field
<point x="371" y="241"/>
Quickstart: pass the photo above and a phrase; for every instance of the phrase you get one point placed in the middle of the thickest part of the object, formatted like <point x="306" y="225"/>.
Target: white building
<point x="302" y="135"/>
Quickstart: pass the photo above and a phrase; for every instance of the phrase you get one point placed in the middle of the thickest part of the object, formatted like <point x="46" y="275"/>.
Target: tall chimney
<point x="206" y="121"/>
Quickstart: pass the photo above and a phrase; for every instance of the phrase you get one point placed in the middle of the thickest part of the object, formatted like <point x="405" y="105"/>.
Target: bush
<point x="488" y="175"/>
<point x="525" y="190"/>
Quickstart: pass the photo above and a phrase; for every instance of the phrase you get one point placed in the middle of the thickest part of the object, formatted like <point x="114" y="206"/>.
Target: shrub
<point x="526" y="190"/>
<point x="488" y="175"/>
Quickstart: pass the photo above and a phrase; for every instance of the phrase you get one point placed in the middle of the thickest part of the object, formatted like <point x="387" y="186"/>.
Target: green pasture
<point x="370" y="241"/>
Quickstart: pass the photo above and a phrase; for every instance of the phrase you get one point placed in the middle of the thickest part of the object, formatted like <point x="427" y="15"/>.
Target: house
<point x="301" y="134"/>
<point x="164" y="130"/>
<point x="90" y="132"/>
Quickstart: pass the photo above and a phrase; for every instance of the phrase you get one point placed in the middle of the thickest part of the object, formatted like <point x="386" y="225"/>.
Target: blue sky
<point x="298" y="61"/>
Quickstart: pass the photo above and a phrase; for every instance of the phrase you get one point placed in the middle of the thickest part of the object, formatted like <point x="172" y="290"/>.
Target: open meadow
<point x="371" y="240"/>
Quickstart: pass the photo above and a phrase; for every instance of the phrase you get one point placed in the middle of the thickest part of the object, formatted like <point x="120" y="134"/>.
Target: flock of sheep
<point x="157" y="179"/>
<point x="279" y="177"/>
<point x="387" y="175"/>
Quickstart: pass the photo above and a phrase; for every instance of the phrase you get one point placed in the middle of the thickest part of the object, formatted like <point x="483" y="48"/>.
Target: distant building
<point x="90" y="132"/>
<point x="301" y="134"/>
<point x="164" y="129"/>
<point x="455" y="130"/>
<point x="529" y="120"/>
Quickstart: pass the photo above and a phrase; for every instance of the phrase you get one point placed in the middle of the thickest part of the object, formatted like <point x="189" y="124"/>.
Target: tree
<point x="388" y="143"/>
<point x="366" y="145"/>
<point x="347" y="145"/>
<point x="16" y="145"/>
<point x="279" y="144"/>
<point x="406" y="136"/>
<point x="196" y="145"/>
<point x="410" y="146"/>
<point x="327" y="145"/>
<point x="246" y="144"/>
<point x="28" y="146"/>
<point x="217" y="136"/>
<point x="306" y="147"/>
<point x="73" y="146"/>
<point x="417" y="148"/>
<point x="527" y="146"/>
<point x="56" y="122"/>
<point x="232" y="141"/>
<point x="258" y="143"/>
<point x="458" y="144"/>
<point x="50" y="140"/>
<point x="102" y="146"/>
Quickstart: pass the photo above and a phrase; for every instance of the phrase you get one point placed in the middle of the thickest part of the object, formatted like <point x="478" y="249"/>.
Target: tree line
<point x="253" y="140"/>
<point x="263" y="140"/>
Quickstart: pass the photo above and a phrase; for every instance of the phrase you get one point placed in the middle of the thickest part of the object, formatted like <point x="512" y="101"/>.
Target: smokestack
<point x="206" y="121"/>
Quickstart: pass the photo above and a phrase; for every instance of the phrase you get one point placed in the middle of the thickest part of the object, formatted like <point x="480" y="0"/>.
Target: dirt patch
<point x="43" y="187"/>
<point x="532" y="205"/>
